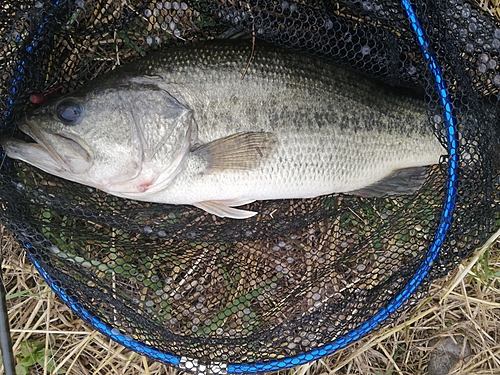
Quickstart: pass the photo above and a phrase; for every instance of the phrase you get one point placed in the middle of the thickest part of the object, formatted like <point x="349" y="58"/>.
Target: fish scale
<point x="215" y="134"/>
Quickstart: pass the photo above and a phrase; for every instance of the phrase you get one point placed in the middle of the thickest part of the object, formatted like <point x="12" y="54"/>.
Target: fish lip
<point x="34" y="132"/>
<point x="28" y="128"/>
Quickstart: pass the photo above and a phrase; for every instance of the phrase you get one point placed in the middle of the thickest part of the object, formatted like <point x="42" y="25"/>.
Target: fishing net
<point x="304" y="277"/>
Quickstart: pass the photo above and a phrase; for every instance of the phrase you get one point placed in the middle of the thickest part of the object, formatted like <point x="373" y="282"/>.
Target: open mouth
<point x="66" y="150"/>
<point x="40" y="141"/>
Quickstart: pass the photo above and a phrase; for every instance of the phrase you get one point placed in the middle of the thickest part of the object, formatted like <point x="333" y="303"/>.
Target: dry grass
<point x="464" y="304"/>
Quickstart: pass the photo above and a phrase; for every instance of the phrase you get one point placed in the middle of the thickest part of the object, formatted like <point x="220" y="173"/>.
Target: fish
<point x="221" y="124"/>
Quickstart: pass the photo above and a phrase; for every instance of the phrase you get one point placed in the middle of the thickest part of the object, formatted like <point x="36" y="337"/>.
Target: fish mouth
<point x="68" y="151"/>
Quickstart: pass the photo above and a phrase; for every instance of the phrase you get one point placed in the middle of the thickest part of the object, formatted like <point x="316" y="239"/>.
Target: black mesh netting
<point x="274" y="290"/>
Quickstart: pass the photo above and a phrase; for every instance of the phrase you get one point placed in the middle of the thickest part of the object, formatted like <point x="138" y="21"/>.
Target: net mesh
<point x="219" y="295"/>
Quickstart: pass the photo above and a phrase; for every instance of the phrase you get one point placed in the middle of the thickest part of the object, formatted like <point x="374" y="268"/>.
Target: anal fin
<point x="401" y="182"/>
<point x="224" y="209"/>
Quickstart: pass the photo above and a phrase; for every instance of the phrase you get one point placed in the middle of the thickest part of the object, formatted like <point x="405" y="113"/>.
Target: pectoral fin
<point x="401" y="182"/>
<point x="239" y="151"/>
<point x="224" y="209"/>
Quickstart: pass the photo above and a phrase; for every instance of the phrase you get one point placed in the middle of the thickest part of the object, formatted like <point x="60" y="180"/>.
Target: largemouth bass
<point x="191" y="125"/>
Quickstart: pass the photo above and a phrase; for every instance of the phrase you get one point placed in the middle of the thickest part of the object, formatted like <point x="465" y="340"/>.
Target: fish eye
<point x="69" y="112"/>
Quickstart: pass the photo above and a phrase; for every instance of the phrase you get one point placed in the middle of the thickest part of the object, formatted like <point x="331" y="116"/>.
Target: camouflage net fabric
<point x="303" y="277"/>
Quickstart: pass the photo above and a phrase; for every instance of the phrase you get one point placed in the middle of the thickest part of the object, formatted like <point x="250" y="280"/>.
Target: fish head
<point x="119" y="136"/>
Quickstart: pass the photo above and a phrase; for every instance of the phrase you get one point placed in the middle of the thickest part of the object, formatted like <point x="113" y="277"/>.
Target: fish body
<point x="192" y="125"/>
